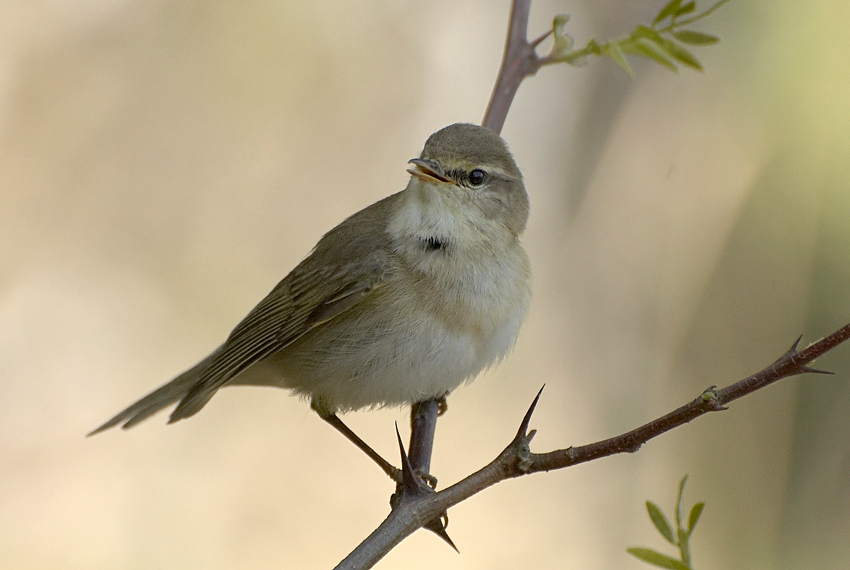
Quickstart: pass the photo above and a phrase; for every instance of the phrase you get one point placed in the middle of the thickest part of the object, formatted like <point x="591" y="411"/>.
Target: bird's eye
<point x="477" y="177"/>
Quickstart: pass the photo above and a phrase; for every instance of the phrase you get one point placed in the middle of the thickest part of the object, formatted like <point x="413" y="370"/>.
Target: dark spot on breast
<point x="433" y="243"/>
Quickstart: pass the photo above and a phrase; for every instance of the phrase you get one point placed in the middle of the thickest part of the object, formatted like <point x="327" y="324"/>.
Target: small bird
<point x="402" y="302"/>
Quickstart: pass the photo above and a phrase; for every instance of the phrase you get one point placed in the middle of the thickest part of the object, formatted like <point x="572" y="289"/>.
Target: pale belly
<point x="371" y="364"/>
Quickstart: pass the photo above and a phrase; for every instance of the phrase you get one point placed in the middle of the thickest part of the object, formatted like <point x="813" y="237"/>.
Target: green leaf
<point x="683" y="55"/>
<point x="686" y="9"/>
<point x="671" y="8"/>
<point x="563" y="41"/>
<point x="615" y="52"/>
<point x="696" y="511"/>
<point x="695" y="38"/>
<point x="656" y="558"/>
<point x="559" y="24"/>
<point x="660" y="522"/>
<point x="649" y="49"/>
<point x="644" y="32"/>
<point x="679" y="510"/>
<point x="576" y="59"/>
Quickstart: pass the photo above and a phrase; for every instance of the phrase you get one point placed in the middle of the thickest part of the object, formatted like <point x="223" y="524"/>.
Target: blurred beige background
<point x="163" y="164"/>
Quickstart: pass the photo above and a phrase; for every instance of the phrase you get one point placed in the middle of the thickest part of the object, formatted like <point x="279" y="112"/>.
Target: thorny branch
<point x="517" y="459"/>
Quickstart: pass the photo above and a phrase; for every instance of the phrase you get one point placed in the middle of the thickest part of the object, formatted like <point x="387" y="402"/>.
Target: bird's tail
<point x="159" y="398"/>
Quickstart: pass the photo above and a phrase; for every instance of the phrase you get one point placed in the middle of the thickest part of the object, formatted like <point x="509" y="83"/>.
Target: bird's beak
<point x="428" y="170"/>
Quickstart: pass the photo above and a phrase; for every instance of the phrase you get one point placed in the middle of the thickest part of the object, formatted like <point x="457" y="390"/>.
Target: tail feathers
<point x="160" y="398"/>
<point x="191" y="403"/>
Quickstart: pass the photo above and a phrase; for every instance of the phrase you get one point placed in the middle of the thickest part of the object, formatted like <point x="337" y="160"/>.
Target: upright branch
<point x="519" y="61"/>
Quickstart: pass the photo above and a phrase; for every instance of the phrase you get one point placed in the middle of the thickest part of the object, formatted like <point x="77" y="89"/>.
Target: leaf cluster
<point x="663" y="41"/>
<point x="679" y="537"/>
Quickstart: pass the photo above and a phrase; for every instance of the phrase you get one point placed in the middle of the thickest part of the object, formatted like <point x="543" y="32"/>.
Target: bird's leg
<point x="423" y="422"/>
<point x="391" y="471"/>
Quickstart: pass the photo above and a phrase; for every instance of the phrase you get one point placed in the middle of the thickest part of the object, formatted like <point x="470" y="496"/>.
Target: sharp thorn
<point x="794" y="346"/>
<point x="816" y="370"/>
<point x="537" y="41"/>
<point x="409" y="481"/>
<point x="412" y="486"/>
<point x="523" y="427"/>
<point x="438" y="527"/>
<point x="790" y="352"/>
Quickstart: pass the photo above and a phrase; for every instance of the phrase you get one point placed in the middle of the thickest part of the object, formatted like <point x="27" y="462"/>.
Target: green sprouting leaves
<point x="615" y="52"/>
<point x="673" y="10"/>
<point x="663" y="42"/>
<point x="657" y="559"/>
<point x="562" y="48"/>
<point x="660" y="522"/>
<point x="563" y="41"/>
<point x="696" y="511"/>
<point x="682" y="55"/>
<point x="679" y="537"/>
<point x="695" y="38"/>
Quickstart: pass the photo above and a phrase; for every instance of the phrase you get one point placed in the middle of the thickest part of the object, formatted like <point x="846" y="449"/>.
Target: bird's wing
<point x="314" y="293"/>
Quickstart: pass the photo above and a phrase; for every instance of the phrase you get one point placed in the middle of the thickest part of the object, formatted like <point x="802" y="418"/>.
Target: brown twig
<point x="519" y="61"/>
